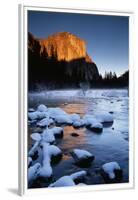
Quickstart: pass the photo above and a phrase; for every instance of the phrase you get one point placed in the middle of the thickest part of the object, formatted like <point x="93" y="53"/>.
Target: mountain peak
<point x="64" y="46"/>
<point x="61" y="58"/>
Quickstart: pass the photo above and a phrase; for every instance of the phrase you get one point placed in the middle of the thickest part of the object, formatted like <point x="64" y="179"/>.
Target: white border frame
<point x="23" y="93"/>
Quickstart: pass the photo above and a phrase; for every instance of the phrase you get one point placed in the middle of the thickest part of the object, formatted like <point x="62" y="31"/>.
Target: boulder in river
<point x="82" y="158"/>
<point x="111" y="172"/>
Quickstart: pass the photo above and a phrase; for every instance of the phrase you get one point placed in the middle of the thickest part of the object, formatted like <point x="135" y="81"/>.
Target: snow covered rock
<point x="111" y="172"/>
<point x="63" y="119"/>
<point x="82" y="157"/>
<point x="57" y="131"/>
<point x="29" y="161"/>
<point x="78" y="123"/>
<point x="55" y="154"/>
<point x="89" y="120"/>
<point x="50" y="153"/>
<point x="36" y="115"/>
<point x="33" y="173"/>
<point x="96" y="127"/>
<point x="36" y="136"/>
<point x="31" y="110"/>
<point x="33" y="115"/>
<point x="53" y="112"/>
<point x="104" y="117"/>
<point x="42" y="108"/>
<point x="78" y="177"/>
<point x="46" y="169"/>
<point x="63" y="181"/>
<point x="59" y="116"/>
<point x="33" y="152"/>
<point x="48" y="136"/>
<point x="74" y="117"/>
<point x="45" y="122"/>
<point x="69" y="180"/>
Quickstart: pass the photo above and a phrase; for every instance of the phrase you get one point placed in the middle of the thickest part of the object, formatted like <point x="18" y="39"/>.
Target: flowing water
<point x="111" y="145"/>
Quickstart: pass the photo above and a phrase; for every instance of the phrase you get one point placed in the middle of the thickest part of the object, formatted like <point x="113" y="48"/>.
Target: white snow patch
<point x="42" y="108"/>
<point x="89" y="119"/>
<point x="79" y="174"/>
<point x="104" y="117"/>
<point x="36" y="136"/>
<point x="37" y="115"/>
<point x="109" y="169"/>
<point x="68" y="180"/>
<point x="97" y="125"/>
<point x="57" y="130"/>
<point x="34" y="148"/>
<point x="81" y="154"/>
<point x="48" y="136"/>
<point x="53" y="112"/>
<point x="45" y="122"/>
<point x="29" y="160"/>
<point x="33" y="172"/>
<point x="63" y="119"/>
<point x="79" y="123"/>
<point x="63" y="181"/>
<point x="48" y="151"/>
<point x="74" y="117"/>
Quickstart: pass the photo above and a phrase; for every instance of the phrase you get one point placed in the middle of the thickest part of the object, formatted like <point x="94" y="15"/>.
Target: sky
<point x="106" y="36"/>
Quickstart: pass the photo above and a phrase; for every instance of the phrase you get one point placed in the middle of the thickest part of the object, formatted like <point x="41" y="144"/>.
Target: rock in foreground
<point x="111" y="172"/>
<point x="82" y="158"/>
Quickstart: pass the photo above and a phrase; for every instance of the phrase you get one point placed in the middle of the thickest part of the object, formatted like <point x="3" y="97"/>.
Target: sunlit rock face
<point x="63" y="54"/>
<point x="64" y="46"/>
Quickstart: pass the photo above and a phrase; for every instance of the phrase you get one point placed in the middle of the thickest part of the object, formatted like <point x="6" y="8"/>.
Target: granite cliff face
<point x="64" y="46"/>
<point x="60" y="59"/>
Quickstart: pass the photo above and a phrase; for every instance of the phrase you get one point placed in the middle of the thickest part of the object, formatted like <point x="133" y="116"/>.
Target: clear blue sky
<point x="106" y="36"/>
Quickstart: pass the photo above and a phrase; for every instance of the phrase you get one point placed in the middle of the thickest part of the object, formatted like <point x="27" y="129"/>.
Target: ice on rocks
<point x="63" y="181"/>
<point x="68" y="180"/>
<point x="78" y="123"/>
<point x="96" y="127"/>
<point x="89" y="119"/>
<point x="45" y="122"/>
<point x="53" y="150"/>
<point x="53" y="112"/>
<point x="109" y="168"/>
<point x="82" y="157"/>
<point x="36" y="136"/>
<point x="33" y="115"/>
<point x="48" y="151"/>
<point x="36" y="115"/>
<point x="29" y="161"/>
<point x="81" y="153"/>
<point x="63" y="119"/>
<point x="33" y="172"/>
<point x="48" y="136"/>
<point x="42" y="108"/>
<point x="74" y="117"/>
<point x="31" y="110"/>
<point x="104" y="117"/>
<point x="57" y="131"/>
<point x="78" y="175"/>
<point x="34" y="148"/>
<point x="59" y="115"/>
